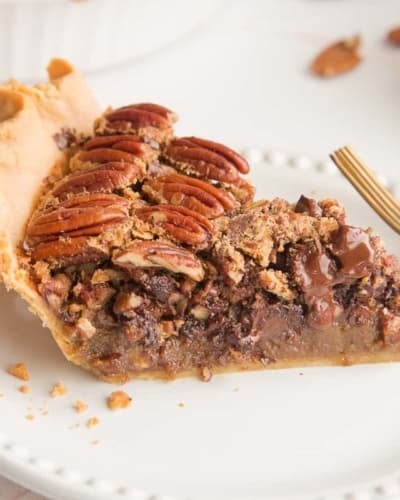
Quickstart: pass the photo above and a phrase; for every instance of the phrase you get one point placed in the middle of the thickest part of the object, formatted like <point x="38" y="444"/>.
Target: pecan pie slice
<point x="146" y="255"/>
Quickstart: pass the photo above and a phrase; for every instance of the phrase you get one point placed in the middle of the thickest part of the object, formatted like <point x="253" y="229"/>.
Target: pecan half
<point x="195" y="194"/>
<point x="393" y="36"/>
<point x="338" y="58"/>
<point x="85" y="215"/>
<point x="206" y="159"/>
<point x="127" y="148"/>
<point x="105" y="177"/>
<point x="144" y="119"/>
<point x="68" y="251"/>
<point x="158" y="254"/>
<point x="180" y="223"/>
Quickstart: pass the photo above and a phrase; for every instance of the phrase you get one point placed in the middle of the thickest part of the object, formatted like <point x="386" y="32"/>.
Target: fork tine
<point x="367" y="190"/>
<point x="350" y="171"/>
<point x="368" y="186"/>
<point x="360" y="180"/>
<point x="373" y="179"/>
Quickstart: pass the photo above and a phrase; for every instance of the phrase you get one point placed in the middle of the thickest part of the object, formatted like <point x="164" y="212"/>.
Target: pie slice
<point x="147" y="256"/>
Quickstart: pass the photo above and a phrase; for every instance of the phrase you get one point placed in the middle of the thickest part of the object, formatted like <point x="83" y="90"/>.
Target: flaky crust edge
<point x="29" y="118"/>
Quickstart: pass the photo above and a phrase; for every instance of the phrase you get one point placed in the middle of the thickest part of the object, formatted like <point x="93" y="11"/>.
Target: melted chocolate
<point x="352" y="246"/>
<point x="317" y="273"/>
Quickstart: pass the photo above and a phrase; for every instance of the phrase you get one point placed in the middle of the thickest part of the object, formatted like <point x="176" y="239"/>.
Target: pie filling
<point x="152" y="252"/>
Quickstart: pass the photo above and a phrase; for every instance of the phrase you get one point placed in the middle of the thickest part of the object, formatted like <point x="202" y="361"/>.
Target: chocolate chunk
<point x="308" y="206"/>
<point x="316" y="272"/>
<point x="352" y="246"/>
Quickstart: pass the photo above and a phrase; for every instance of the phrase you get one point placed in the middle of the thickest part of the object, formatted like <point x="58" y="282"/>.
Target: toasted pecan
<point x="144" y="119"/>
<point x="206" y="159"/>
<point x="104" y="178"/>
<point x="180" y="223"/>
<point x="79" y="216"/>
<point x="195" y="194"/>
<point x="159" y="254"/>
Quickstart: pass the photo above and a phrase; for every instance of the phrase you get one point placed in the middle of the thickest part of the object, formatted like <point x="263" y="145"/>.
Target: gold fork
<point x="366" y="183"/>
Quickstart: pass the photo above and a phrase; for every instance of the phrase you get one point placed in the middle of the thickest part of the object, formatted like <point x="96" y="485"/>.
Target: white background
<point x="242" y="78"/>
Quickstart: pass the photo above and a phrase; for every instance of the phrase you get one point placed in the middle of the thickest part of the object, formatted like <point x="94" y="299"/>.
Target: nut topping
<point x="206" y="159"/>
<point x="128" y="148"/>
<point x="130" y="143"/>
<point x="83" y="215"/>
<point x="145" y="119"/>
<point x="182" y="224"/>
<point x="106" y="177"/>
<point x="144" y="115"/>
<point x="195" y="194"/>
<point x="159" y="254"/>
<point x="68" y="251"/>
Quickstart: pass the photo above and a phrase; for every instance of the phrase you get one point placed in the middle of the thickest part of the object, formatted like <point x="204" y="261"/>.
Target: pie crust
<point x="30" y="119"/>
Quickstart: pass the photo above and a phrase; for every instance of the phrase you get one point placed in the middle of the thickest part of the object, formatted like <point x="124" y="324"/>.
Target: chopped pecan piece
<point x="390" y="325"/>
<point x="276" y="282"/>
<point x="195" y="194"/>
<point x="56" y="290"/>
<point x="242" y="190"/>
<point x="101" y="178"/>
<point x="126" y="303"/>
<point x="159" y="254"/>
<point x="180" y="223"/>
<point x="206" y="159"/>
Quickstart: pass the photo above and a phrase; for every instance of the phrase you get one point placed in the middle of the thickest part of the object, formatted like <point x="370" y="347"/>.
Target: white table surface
<point x="242" y="79"/>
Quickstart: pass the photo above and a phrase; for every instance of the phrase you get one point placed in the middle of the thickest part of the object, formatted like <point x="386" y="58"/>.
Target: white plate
<point x="316" y="433"/>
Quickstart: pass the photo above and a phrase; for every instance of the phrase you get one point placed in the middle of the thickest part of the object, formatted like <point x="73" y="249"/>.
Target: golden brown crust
<point x="29" y="119"/>
<point x="337" y="360"/>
